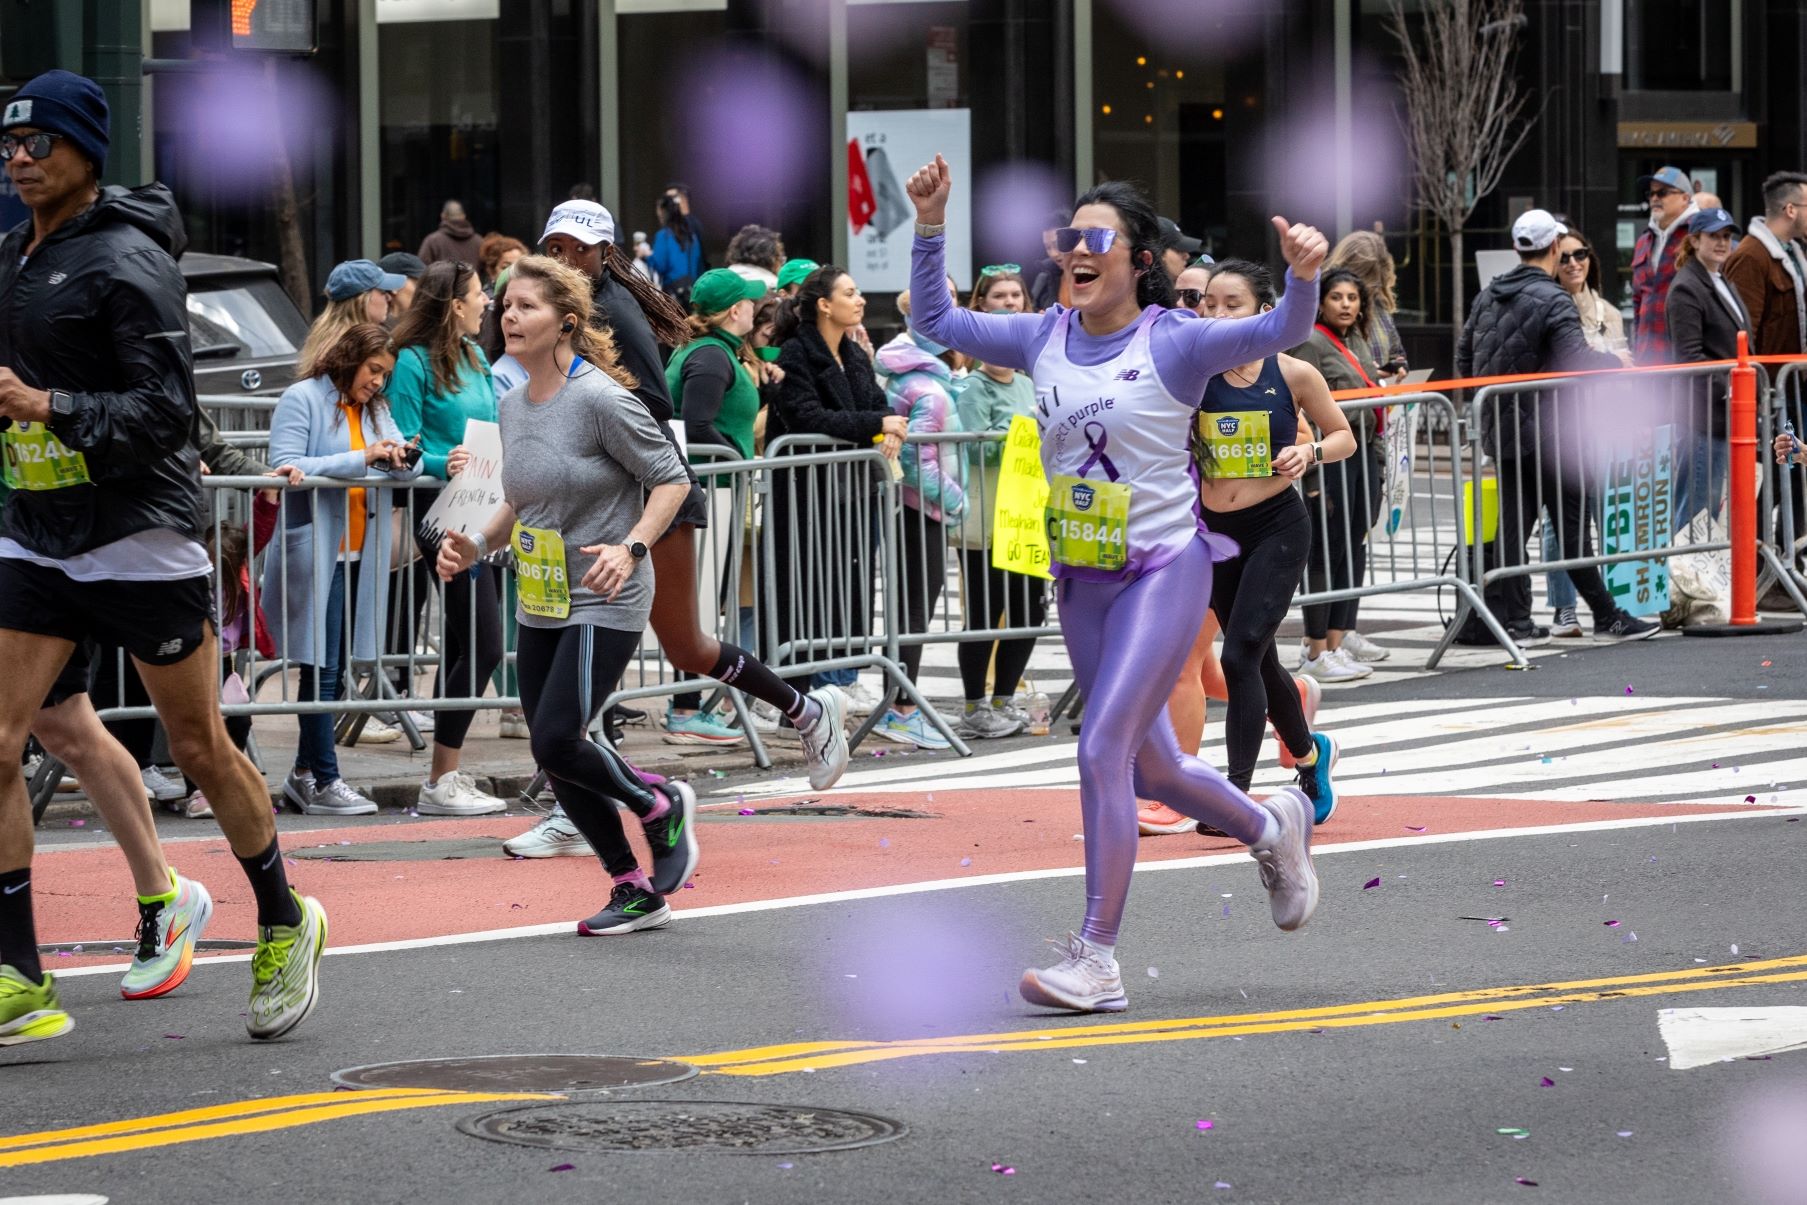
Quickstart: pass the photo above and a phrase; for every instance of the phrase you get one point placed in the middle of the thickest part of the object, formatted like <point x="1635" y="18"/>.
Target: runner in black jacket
<point x="102" y="535"/>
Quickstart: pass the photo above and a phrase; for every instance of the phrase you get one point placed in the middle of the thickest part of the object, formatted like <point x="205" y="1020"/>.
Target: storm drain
<point x="519" y="1073"/>
<point x="813" y="809"/>
<point x="696" y="1127"/>
<point x="459" y="849"/>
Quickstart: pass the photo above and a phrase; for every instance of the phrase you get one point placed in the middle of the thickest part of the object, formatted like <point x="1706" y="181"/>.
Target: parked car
<point x="245" y="328"/>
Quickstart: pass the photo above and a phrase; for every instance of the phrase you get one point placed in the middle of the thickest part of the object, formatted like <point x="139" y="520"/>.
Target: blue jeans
<point x="834" y="677"/>
<point x="1700" y="477"/>
<point x="314" y="751"/>
<point x="1561" y="590"/>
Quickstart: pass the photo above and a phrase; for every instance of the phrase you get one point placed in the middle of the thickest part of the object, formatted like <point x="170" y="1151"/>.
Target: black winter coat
<point x="1522" y="323"/>
<point x="820" y="397"/>
<point x="1701" y="327"/>
<point x="99" y="311"/>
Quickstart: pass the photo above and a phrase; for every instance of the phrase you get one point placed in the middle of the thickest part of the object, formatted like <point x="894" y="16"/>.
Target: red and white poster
<point x="883" y="148"/>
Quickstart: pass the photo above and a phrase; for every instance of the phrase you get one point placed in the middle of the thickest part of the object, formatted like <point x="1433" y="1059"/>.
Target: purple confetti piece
<point x="690" y="887"/>
<point x="1415" y="828"/>
<point x="884" y="843"/>
<point x="1370" y="883"/>
<point x="176" y="1036"/>
<point x="1521" y="1179"/>
<point x="1499" y="882"/>
<point x="1205" y="1125"/>
<point x="1625" y="1133"/>
<point x="1612" y="924"/>
<point x="1490" y="1017"/>
<point x="748" y="812"/>
<point x="1003" y="1170"/>
<point x="1750" y="799"/>
<point x="1546" y="1082"/>
<point x="966" y="861"/>
<point x="78" y="824"/>
<point x="1221" y="1184"/>
<point x="1628" y="691"/>
<point x="786" y="1166"/>
<point x="1629" y="937"/>
<point x="563" y="1167"/>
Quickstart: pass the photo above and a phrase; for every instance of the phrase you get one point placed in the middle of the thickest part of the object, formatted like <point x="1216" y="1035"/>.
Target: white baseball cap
<point x="585" y="221"/>
<point x="1536" y="229"/>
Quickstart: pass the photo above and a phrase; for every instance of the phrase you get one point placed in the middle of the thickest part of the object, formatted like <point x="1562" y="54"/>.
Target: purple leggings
<point x="1128" y="642"/>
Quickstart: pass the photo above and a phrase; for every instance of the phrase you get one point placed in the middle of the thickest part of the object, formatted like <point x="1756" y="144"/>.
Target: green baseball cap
<point x="794" y="270"/>
<point x="719" y="288"/>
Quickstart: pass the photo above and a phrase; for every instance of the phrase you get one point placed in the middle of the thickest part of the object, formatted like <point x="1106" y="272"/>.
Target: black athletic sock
<point x="741" y="669"/>
<point x="270" y="883"/>
<point x="18" y="932"/>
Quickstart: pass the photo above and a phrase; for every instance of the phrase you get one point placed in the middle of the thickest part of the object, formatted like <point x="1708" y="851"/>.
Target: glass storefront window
<point x="1682" y="45"/>
<point x="439" y="125"/>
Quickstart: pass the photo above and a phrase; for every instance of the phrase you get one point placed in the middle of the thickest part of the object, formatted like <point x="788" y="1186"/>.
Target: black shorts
<point x="159" y="623"/>
<point x="74" y="678"/>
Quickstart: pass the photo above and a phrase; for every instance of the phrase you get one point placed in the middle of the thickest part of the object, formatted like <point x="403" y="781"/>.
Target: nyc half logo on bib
<point x="1083" y="495"/>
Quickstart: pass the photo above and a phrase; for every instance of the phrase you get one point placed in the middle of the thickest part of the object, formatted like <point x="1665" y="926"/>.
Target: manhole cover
<point x="845" y="809"/>
<point x="519" y="1073"/>
<point x="126" y="945"/>
<point x="404" y="851"/>
<point x="703" y="1127"/>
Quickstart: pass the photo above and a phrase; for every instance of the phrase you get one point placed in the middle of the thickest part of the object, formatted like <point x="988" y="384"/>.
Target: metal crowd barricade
<point x="1782" y="519"/>
<point x="1389" y="519"/>
<point x="829" y="553"/>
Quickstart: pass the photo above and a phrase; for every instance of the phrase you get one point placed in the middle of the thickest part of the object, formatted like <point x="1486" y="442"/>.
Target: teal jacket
<point x="420" y="408"/>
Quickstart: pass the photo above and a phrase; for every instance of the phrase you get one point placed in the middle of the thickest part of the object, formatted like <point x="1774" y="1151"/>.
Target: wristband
<point x="924" y="230"/>
<point x="482" y="545"/>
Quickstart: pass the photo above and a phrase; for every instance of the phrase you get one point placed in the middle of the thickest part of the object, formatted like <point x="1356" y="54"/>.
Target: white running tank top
<point x="1116" y="422"/>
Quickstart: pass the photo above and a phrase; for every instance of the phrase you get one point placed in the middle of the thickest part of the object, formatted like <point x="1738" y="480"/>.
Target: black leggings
<point x="1339" y="538"/>
<point x="565" y="675"/>
<point x="469" y="654"/>
<point x="924" y="553"/>
<point x="998" y="597"/>
<point x="1275" y="536"/>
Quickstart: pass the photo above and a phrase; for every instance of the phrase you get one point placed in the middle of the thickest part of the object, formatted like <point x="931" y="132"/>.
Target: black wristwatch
<point x="62" y="403"/>
<point x="637" y="550"/>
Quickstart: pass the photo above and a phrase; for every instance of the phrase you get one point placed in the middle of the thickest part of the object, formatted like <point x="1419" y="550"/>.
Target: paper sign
<point x="1019" y="541"/>
<point x="472" y="498"/>
<point x="1637" y="502"/>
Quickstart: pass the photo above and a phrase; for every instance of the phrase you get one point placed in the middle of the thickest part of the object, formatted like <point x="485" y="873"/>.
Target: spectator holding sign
<point x="442" y="382"/>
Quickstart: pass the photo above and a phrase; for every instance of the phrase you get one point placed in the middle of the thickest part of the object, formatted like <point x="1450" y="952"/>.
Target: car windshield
<point x="240" y="318"/>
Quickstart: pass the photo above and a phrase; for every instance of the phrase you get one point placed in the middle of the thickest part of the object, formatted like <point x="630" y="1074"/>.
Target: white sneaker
<point x="1328" y="667"/>
<point x="337" y="798"/>
<point x="765" y="717"/>
<point x="553" y="837"/>
<point x="161" y="786"/>
<point x="376" y="732"/>
<point x="1086" y="981"/>
<point x="423" y="720"/>
<point x="1362" y="649"/>
<point x="514" y="726"/>
<point x="825" y="742"/>
<point x="1286" y="870"/>
<point x="456" y="794"/>
<point x="1348" y="662"/>
<point x="861" y="699"/>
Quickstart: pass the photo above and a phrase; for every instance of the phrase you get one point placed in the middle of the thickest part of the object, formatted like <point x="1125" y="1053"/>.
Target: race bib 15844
<point x="1088" y="523"/>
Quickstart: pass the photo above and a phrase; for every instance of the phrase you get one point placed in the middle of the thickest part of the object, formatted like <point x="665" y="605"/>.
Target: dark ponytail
<point x="1258" y="276"/>
<point x="670" y="324"/>
<point x="794" y="313"/>
<point x="1153" y="287"/>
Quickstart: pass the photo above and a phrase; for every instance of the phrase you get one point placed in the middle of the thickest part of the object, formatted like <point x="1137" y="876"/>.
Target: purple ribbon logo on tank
<point x="1097" y="445"/>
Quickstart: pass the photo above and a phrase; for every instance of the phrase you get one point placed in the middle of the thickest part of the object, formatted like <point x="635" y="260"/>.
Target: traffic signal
<point x="268" y="26"/>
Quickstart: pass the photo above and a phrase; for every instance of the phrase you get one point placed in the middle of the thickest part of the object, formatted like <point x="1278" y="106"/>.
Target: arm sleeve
<point x="1189" y="352"/>
<point x="707" y="376"/>
<point x="804" y="414"/>
<point x="220" y="456"/>
<point x="1687" y="327"/>
<point x="1002" y="339"/>
<point x="291" y="435"/>
<point x="631" y="435"/>
<point x="153" y="415"/>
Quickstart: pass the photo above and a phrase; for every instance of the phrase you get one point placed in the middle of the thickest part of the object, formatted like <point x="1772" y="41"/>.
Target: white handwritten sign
<point x="470" y="499"/>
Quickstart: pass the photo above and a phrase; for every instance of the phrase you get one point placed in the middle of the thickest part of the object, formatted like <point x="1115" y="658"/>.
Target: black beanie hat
<point x="65" y="103"/>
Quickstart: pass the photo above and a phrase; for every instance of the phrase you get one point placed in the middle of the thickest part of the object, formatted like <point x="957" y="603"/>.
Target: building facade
<point x="1227" y="110"/>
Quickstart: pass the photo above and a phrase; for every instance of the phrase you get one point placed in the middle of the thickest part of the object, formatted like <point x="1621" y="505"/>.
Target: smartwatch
<point x="1317" y="453"/>
<point x="637" y="550"/>
<point x="62" y="403"/>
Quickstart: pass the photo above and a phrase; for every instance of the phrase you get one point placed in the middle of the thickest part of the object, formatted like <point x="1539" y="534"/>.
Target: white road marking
<point x="1699" y="1037"/>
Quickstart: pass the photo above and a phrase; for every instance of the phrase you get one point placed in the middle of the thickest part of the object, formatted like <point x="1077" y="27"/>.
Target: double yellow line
<point x="228" y="1120"/>
<point x="817" y="1056"/>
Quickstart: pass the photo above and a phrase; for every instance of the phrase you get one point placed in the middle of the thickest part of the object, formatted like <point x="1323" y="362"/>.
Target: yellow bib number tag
<point x="1234" y="444"/>
<point x="1088" y="523"/>
<point x="37" y="460"/>
<point x="539" y="555"/>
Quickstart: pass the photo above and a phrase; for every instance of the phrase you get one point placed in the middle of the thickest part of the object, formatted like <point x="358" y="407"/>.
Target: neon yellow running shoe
<point x="30" y="1011"/>
<point x="285" y="971"/>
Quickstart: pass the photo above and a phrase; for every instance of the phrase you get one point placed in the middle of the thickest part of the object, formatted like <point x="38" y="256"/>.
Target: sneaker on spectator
<point x="298" y="789"/>
<point x="699" y="728"/>
<point x="1158" y="820"/>
<point x="195" y="807"/>
<point x="514" y="725"/>
<point x="1328" y="667"/>
<point x="912" y="729"/>
<point x="987" y="723"/>
<point x="862" y="699"/>
<point x="338" y="798"/>
<point x="456" y="794"/>
<point x="1565" y="625"/>
<point x="376" y="732"/>
<point x="764" y="717"/>
<point x="1343" y="656"/>
<point x="164" y="788"/>
<point x="1362" y="649"/>
<point x="423" y="720"/>
<point x="1626" y="626"/>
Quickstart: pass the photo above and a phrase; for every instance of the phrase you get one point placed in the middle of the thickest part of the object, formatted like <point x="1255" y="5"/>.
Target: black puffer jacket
<point x="99" y="311"/>
<point x="821" y="397"/>
<point x="1522" y="323"/>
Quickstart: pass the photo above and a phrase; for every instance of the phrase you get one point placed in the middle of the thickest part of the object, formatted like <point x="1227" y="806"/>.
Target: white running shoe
<point x="825" y="742"/>
<point x="1348" y="662"/>
<point x="765" y="718"/>
<point x="1328" y="667"/>
<point x="514" y="726"/>
<point x="1364" y="650"/>
<point x="162" y="787"/>
<point x="375" y="732"/>
<point x="1085" y="981"/>
<point x="339" y="798"/>
<point x="456" y="794"/>
<point x="553" y="837"/>
<point x="424" y="721"/>
<point x="861" y="699"/>
<point x="1286" y="870"/>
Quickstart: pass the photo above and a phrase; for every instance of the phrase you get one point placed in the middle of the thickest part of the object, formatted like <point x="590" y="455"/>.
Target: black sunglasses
<point x="1657" y="194"/>
<point x="1190" y="298"/>
<point x="1574" y="257"/>
<point x="38" y="145"/>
